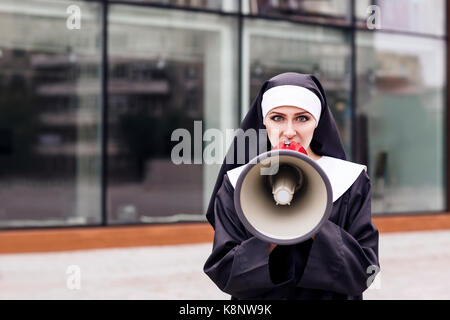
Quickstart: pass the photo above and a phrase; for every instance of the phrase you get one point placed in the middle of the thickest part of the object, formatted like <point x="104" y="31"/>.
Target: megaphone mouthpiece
<point x="285" y="183"/>
<point x="282" y="197"/>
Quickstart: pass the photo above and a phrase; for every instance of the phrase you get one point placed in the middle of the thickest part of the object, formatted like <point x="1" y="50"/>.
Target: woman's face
<point x="287" y="123"/>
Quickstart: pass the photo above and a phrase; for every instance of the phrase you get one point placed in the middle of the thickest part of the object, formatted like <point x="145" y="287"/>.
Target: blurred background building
<point x="87" y="115"/>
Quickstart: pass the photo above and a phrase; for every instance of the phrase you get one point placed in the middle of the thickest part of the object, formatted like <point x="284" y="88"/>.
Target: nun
<point x="340" y="260"/>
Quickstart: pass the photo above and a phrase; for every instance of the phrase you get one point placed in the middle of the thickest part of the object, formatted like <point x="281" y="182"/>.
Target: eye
<point x="277" y="118"/>
<point x="303" y="118"/>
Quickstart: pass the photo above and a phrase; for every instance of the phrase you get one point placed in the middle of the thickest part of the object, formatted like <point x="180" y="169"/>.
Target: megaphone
<point x="283" y="196"/>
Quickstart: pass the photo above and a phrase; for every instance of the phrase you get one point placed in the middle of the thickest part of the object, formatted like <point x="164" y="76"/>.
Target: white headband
<point x="289" y="95"/>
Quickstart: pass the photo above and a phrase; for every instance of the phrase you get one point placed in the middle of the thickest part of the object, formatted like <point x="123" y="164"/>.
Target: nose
<point x="289" y="131"/>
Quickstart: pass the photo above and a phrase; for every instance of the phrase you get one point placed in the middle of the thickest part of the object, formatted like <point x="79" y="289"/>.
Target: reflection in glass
<point x="167" y="69"/>
<point x="365" y="10"/>
<point x="50" y="111"/>
<point x="401" y="94"/>
<point x="418" y="16"/>
<point x="216" y="5"/>
<point x="274" y="48"/>
<point x="330" y="11"/>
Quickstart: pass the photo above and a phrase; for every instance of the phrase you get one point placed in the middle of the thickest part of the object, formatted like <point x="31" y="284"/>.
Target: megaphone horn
<point x="288" y="206"/>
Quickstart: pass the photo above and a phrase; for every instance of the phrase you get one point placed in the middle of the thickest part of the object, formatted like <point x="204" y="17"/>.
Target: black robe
<point x="333" y="265"/>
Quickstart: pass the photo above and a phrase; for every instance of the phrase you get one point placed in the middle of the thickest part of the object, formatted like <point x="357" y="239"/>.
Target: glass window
<point x="50" y="112"/>
<point x="401" y="109"/>
<point x="418" y="16"/>
<point x="168" y="69"/>
<point x="271" y="48"/>
<point x="330" y="11"/>
<point x="363" y="10"/>
<point x="216" y="5"/>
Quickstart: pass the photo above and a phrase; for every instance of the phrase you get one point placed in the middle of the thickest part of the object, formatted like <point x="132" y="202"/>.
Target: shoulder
<point x="362" y="183"/>
<point x="359" y="192"/>
<point x="226" y="189"/>
<point x="342" y="174"/>
<point x="335" y="164"/>
<point x="234" y="174"/>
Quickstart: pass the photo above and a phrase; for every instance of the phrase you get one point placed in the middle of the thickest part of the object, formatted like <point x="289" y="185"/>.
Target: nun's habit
<point x="336" y="264"/>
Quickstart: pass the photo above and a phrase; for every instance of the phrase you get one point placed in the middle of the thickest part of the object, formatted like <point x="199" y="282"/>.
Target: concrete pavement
<point x="415" y="265"/>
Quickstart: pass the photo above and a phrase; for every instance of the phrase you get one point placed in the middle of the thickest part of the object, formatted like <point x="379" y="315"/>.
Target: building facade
<point x="92" y="92"/>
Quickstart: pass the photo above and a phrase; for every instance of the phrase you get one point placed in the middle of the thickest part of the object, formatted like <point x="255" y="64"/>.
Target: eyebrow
<point x="298" y="113"/>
